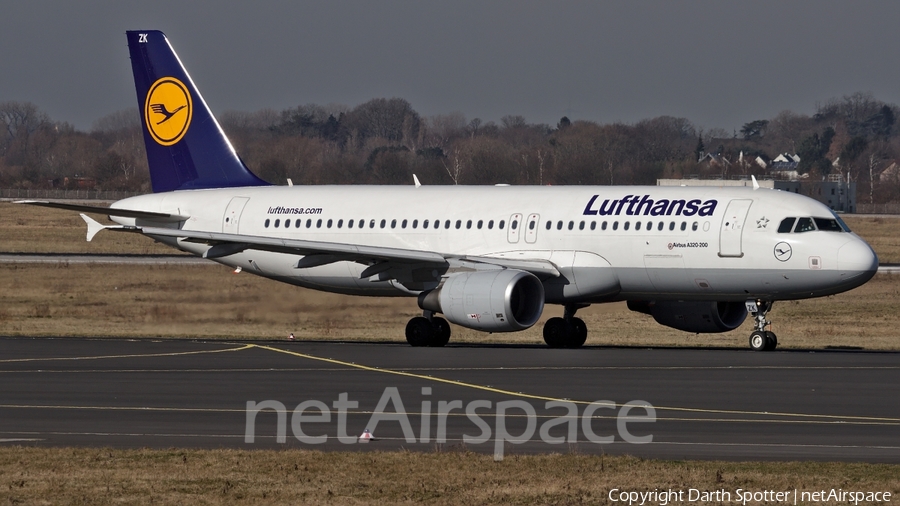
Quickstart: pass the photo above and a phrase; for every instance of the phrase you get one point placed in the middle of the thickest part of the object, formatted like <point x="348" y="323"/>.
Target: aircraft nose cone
<point x="856" y="257"/>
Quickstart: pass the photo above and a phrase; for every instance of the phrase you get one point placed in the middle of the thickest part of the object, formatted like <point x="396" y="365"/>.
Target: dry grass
<point x="32" y="229"/>
<point x="212" y="302"/>
<point x="882" y="233"/>
<point x="103" y="476"/>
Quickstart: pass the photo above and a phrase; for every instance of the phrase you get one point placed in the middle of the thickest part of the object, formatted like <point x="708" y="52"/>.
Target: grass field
<point x="211" y="302"/>
<point x="103" y="476"/>
<point x="30" y="229"/>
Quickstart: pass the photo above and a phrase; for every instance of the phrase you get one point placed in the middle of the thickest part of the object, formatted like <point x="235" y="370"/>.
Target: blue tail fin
<point x="186" y="147"/>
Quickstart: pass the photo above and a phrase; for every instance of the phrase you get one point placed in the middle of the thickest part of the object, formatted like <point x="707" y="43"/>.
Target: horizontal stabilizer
<point x="109" y="211"/>
<point x="94" y="227"/>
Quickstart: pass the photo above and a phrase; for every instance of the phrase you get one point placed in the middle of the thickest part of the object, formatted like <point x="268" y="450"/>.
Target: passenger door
<point x="733" y="228"/>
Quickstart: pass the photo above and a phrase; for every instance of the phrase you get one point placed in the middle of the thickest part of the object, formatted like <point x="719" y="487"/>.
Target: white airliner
<point x="486" y="258"/>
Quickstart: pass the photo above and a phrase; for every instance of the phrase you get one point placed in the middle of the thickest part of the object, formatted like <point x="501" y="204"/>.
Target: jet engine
<point x="702" y="317"/>
<point x="503" y="300"/>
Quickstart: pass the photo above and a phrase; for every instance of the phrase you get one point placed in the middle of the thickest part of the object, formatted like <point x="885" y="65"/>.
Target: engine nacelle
<point x="702" y="317"/>
<point x="504" y="300"/>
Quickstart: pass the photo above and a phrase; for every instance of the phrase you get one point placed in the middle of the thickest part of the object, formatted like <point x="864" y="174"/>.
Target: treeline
<point x="385" y="141"/>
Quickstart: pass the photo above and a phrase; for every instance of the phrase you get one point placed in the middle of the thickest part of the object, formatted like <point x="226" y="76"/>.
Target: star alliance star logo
<point x="762" y="222"/>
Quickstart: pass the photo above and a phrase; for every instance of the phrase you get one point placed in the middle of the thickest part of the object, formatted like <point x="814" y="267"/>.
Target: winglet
<point x="94" y="227"/>
<point x="416" y="180"/>
<point x="755" y="183"/>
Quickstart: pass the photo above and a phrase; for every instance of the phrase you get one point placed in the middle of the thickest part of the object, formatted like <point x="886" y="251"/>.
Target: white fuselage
<point x="610" y="243"/>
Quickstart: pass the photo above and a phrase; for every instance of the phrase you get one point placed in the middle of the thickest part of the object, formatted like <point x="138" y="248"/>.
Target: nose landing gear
<point x="761" y="339"/>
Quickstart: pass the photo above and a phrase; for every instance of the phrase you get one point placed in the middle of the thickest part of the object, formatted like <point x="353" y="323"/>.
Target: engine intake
<point x="504" y="300"/>
<point x="702" y="317"/>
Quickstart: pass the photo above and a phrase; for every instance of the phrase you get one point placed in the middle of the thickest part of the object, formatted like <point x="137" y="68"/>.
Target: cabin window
<point x="571" y="224"/>
<point x="671" y="225"/>
<point x="532" y="224"/>
<point x="490" y="224"/>
<point x="581" y="226"/>
<point x="340" y="223"/>
<point x="319" y="223"/>
<point x="480" y="223"/>
<point x="803" y="225"/>
<point x="649" y="225"/>
<point x="309" y="223"/>
<point x="458" y="224"/>
<point x="425" y="224"/>
<point x="501" y="224"/>
<point x="659" y="226"/>
<point x="637" y="225"/>
<point x="394" y="223"/>
<point x="559" y="225"/>
<point x="267" y="224"/>
<point x="683" y="225"/>
<point x="446" y="223"/>
<point x="468" y="224"/>
<point x="694" y="226"/>
<point x="349" y="223"/>
<point x="514" y="224"/>
<point x="615" y="225"/>
<point x="277" y="223"/>
<point x="415" y="223"/>
<point x="549" y="224"/>
<point x="626" y="225"/>
<point x="329" y="223"/>
<point x="383" y="223"/>
<point x="403" y="224"/>
<point x="297" y="223"/>
<point x="603" y="226"/>
<point x="593" y="225"/>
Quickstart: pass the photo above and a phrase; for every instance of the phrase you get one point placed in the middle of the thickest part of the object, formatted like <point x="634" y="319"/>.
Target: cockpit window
<point x="841" y="222"/>
<point x="786" y="226"/>
<point x="804" y="225"/>
<point x="834" y="224"/>
<point x="828" y="225"/>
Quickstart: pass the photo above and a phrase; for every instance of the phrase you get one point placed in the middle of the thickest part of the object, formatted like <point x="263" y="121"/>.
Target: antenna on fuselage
<point x="755" y="183"/>
<point x="416" y="180"/>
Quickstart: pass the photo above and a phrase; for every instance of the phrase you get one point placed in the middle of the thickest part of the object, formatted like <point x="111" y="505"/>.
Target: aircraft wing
<point x="315" y="253"/>
<point x="109" y="211"/>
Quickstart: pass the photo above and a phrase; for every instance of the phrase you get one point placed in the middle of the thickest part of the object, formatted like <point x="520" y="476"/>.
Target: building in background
<point x="834" y="191"/>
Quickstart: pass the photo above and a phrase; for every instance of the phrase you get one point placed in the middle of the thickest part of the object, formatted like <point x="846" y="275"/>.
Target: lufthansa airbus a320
<point x="484" y="257"/>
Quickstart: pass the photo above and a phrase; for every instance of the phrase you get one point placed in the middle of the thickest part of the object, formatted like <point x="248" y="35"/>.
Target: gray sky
<point x="716" y="63"/>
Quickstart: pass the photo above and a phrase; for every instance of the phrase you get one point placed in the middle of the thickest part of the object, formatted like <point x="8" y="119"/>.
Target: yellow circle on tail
<point x="168" y="110"/>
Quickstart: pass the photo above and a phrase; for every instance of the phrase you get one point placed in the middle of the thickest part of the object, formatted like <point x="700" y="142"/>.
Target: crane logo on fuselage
<point x="643" y="205"/>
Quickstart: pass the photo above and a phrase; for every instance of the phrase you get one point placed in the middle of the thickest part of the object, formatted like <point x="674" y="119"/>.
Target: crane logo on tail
<point x="168" y="110"/>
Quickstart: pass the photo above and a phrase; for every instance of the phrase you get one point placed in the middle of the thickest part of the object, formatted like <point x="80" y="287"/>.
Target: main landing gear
<point x="761" y="339"/>
<point x="568" y="331"/>
<point x="428" y="330"/>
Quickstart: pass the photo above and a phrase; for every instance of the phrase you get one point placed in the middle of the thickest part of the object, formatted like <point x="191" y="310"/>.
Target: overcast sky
<point x="717" y="63"/>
